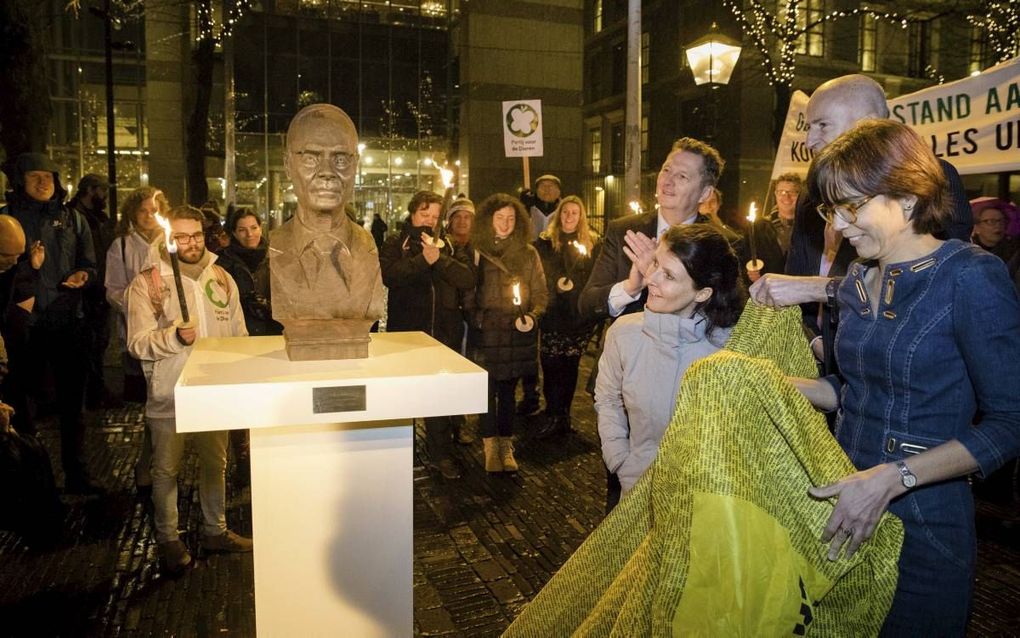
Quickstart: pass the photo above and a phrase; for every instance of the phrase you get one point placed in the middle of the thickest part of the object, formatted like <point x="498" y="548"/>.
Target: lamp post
<point x="712" y="58"/>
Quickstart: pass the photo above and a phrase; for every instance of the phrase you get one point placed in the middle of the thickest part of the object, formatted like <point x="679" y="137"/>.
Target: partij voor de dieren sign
<point x="974" y="123"/>
<point x="522" y="128"/>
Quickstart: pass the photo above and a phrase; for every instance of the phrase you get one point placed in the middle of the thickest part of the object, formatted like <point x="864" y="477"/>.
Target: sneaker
<point x="174" y="556"/>
<point x="228" y="541"/>
<point x="448" y="468"/>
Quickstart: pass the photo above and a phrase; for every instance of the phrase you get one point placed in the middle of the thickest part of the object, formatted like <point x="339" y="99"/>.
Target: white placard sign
<point x="973" y="123"/>
<point x="522" y="128"/>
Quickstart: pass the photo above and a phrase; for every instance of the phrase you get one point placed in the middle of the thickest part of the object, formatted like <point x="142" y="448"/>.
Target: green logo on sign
<point x="521" y="120"/>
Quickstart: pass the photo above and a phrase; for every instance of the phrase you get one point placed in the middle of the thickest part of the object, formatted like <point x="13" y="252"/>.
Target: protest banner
<point x="973" y="123"/>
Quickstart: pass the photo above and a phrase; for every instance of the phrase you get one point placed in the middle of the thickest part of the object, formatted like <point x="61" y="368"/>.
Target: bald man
<point x="18" y="283"/>
<point x="815" y="248"/>
<point x="324" y="269"/>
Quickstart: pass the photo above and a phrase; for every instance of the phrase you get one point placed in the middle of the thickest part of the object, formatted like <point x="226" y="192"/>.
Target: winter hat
<point x="550" y="178"/>
<point x="459" y="204"/>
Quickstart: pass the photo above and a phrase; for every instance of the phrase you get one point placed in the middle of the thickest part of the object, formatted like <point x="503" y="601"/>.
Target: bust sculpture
<point x="324" y="269"/>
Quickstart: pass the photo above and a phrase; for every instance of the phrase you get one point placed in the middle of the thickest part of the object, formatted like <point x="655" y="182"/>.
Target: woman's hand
<point x="861" y="499"/>
<point x="785" y="290"/>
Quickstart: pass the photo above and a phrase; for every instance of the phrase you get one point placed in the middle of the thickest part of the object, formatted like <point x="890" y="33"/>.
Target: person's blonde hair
<point x="585" y="235"/>
<point x="133" y="202"/>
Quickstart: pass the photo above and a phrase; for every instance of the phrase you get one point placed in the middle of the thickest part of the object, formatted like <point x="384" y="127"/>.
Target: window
<point x="644" y="142"/>
<point x="811" y="41"/>
<point x="919" y="57"/>
<point x="979" y="56"/>
<point x="596" y="150"/>
<point x="869" y="37"/>
<point x="645" y="49"/>
<point x="618" y="148"/>
<point x="597" y="16"/>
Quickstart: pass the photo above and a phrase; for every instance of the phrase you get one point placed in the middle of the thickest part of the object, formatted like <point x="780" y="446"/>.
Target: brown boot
<point x="493" y="463"/>
<point x="506" y="454"/>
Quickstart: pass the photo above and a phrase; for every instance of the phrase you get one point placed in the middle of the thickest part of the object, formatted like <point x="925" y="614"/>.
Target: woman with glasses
<point x="928" y="329"/>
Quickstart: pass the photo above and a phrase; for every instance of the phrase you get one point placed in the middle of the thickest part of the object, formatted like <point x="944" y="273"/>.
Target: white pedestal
<point x="331" y="463"/>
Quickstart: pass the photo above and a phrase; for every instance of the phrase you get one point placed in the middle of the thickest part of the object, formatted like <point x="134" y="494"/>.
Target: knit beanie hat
<point x="459" y="204"/>
<point x="550" y="178"/>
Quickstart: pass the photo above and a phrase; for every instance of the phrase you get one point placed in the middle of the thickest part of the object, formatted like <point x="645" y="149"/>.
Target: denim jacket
<point x="945" y="343"/>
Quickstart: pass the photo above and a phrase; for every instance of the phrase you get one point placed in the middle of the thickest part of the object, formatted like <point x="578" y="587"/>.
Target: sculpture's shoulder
<point x="281" y="239"/>
<point x="362" y="240"/>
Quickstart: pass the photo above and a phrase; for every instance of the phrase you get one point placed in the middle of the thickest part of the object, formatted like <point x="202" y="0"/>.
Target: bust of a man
<point x="324" y="269"/>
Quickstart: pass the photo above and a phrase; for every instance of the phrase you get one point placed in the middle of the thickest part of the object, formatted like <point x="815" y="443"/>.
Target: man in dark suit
<point x="617" y="286"/>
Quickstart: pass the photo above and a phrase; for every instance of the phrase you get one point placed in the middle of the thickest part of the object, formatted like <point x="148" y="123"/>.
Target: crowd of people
<point x="909" y="298"/>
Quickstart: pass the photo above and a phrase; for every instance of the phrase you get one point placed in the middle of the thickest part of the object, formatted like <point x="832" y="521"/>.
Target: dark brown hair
<point x="710" y="262"/>
<point x="713" y="163"/>
<point x="186" y="212"/>
<point x="483" y="236"/>
<point x="883" y="157"/>
<point x="422" y="198"/>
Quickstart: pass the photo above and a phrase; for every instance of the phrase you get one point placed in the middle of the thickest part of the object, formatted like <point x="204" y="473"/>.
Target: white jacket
<point x="646" y="355"/>
<point x="214" y="307"/>
<point x="127" y="256"/>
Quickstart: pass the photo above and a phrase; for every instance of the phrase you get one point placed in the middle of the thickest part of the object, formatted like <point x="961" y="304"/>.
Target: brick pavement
<point x="484" y="545"/>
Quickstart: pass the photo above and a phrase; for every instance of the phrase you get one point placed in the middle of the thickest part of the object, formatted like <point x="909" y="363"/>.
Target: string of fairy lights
<point x="761" y="24"/>
<point x="209" y="29"/>
<point x="1001" y="22"/>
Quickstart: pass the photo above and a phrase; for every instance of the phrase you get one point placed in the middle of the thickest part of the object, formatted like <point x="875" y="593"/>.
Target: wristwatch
<point x="906" y="476"/>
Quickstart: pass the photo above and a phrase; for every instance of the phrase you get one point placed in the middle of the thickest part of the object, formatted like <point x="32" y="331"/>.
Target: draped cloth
<point x="720" y="537"/>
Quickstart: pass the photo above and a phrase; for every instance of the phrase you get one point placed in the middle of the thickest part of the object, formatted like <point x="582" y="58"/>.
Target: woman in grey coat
<point x="695" y="297"/>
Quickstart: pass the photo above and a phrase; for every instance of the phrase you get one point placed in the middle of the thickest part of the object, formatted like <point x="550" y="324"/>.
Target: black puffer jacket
<point x="562" y="315"/>
<point x="424" y="297"/>
<point x="500" y="348"/>
<point x="242" y="264"/>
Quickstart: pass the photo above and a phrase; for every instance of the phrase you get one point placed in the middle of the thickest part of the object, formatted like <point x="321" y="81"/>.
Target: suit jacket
<point x="613" y="265"/>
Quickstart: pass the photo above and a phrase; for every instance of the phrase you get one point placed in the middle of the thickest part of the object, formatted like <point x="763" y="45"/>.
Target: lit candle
<point x="446" y="175"/>
<point x="754" y="265"/>
<point x="566" y="283"/>
<point x="517" y="299"/>
<point x="171" y="247"/>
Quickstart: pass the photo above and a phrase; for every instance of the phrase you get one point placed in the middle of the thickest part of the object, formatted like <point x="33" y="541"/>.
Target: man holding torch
<point x="169" y="305"/>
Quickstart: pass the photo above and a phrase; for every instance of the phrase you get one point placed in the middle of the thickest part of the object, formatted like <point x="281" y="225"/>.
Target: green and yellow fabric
<point x="720" y="537"/>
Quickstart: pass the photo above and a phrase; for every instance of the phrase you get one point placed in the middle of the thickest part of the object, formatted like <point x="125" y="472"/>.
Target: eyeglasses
<point x="993" y="222"/>
<point x="339" y="161"/>
<point x="847" y="211"/>
<point x="182" y="239"/>
<point x="787" y="193"/>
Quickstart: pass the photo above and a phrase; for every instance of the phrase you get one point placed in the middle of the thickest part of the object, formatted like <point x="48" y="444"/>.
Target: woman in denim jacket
<point x="928" y="329"/>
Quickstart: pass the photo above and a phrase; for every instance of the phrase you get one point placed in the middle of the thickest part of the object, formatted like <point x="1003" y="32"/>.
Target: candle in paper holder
<point x="755" y="265"/>
<point x="566" y="284"/>
<point x="523" y="323"/>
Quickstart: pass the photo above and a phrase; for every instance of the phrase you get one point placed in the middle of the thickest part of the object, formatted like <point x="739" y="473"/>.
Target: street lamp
<point x="712" y="58"/>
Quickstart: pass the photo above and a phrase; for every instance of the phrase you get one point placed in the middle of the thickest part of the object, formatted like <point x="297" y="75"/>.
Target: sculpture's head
<point x="322" y="158"/>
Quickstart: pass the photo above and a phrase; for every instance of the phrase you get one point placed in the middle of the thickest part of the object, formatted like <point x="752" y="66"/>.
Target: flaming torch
<point x="566" y="284"/>
<point x="755" y="265"/>
<point x="171" y="247"/>
<point x="524" y="323"/>
<point x="635" y="207"/>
